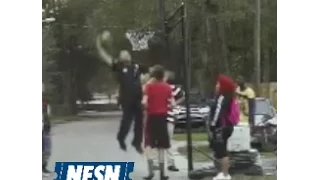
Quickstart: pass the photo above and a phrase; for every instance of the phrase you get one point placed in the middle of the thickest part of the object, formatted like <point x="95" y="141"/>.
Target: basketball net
<point x="139" y="40"/>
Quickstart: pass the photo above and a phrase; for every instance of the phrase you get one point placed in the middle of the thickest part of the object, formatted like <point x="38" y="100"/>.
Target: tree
<point x="221" y="40"/>
<point x="74" y="63"/>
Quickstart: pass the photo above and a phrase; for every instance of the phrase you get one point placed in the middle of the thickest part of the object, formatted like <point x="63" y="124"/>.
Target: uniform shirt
<point x="159" y="94"/>
<point x="177" y="94"/>
<point x="129" y="80"/>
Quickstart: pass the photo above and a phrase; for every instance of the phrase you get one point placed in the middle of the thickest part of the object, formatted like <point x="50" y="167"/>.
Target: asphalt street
<point x="94" y="140"/>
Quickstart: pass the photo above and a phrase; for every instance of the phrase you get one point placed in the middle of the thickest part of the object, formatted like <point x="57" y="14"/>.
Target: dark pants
<point x="131" y="112"/>
<point x="220" y="140"/>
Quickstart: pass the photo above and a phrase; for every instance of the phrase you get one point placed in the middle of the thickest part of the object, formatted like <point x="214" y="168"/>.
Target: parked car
<point x="199" y="110"/>
<point x="264" y="126"/>
<point x="99" y="102"/>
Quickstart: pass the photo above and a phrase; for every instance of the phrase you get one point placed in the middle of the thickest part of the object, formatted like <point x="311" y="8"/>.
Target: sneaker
<point x="138" y="148"/>
<point x="221" y="176"/>
<point x="164" y="178"/>
<point x="122" y="144"/>
<point x="46" y="172"/>
<point x="173" y="168"/>
<point x="149" y="177"/>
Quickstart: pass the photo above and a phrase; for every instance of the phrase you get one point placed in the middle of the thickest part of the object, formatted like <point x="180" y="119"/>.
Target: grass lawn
<point x="198" y="153"/>
<point x="244" y="177"/>
<point x="195" y="137"/>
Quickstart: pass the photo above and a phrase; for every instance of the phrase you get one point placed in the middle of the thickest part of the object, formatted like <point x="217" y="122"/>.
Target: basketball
<point x="105" y="36"/>
<point x="105" y="39"/>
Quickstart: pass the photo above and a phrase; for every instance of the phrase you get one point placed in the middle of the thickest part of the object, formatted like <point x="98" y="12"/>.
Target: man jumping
<point x="130" y="95"/>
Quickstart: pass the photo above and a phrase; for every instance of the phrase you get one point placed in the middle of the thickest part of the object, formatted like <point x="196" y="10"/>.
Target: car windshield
<point x="263" y="107"/>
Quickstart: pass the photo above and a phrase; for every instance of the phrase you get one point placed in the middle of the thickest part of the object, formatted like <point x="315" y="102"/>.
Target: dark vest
<point x="130" y="84"/>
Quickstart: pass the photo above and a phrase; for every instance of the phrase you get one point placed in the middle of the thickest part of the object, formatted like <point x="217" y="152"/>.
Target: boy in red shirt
<point x="157" y="100"/>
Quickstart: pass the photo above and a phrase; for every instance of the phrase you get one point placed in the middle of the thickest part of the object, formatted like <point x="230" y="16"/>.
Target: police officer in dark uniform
<point x="130" y="96"/>
<point x="130" y="92"/>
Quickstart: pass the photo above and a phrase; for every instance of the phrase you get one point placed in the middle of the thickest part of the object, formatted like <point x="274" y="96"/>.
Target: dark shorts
<point x="220" y="140"/>
<point x="157" y="132"/>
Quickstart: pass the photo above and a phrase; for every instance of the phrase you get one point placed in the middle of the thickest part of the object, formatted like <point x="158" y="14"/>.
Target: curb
<point x="63" y="121"/>
<point x="93" y="114"/>
<point x="87" y="116"/>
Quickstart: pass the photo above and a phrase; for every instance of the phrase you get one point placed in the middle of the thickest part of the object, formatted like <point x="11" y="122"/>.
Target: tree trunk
<point x="71" y="86"/>
<point x="266" y="69"/>
<point x="224" y="46"/>
<point x="216" y="47"/>
<point x="210" y="69"/>
<point x="70" y="94"/>
<point x="219" y="46"/>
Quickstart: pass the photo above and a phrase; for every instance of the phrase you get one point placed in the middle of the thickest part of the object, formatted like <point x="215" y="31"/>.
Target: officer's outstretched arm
<point x="105" y="56"/>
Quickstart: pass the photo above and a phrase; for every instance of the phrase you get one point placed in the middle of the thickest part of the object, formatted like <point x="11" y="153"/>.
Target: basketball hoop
<point x="139" y="39"/>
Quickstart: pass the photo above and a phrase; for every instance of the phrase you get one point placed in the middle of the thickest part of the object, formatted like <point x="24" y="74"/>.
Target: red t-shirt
<point x="158" y="94"/>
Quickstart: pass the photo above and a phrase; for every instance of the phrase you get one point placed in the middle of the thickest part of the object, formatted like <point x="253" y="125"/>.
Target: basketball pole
<point x="184" y="28"/>
<point x="186" y="69"/>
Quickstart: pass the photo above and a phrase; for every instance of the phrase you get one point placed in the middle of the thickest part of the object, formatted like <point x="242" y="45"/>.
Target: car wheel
<point x="256" y="145"/>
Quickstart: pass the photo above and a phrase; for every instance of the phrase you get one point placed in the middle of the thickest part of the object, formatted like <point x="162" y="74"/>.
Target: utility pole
<point x="257" y="52"/>
<point x="161" y="6"/>
<point x="185" y="36"/>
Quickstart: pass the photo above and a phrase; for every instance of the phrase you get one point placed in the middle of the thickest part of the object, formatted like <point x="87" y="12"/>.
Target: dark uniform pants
<point x="131" y="112"/>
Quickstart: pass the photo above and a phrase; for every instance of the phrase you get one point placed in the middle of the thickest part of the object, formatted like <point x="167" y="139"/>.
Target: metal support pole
<point x="173" y="14"/>
<point x="169" y="29"/>
<point x="184" y="28"/>
<point x="186" y="69"/>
